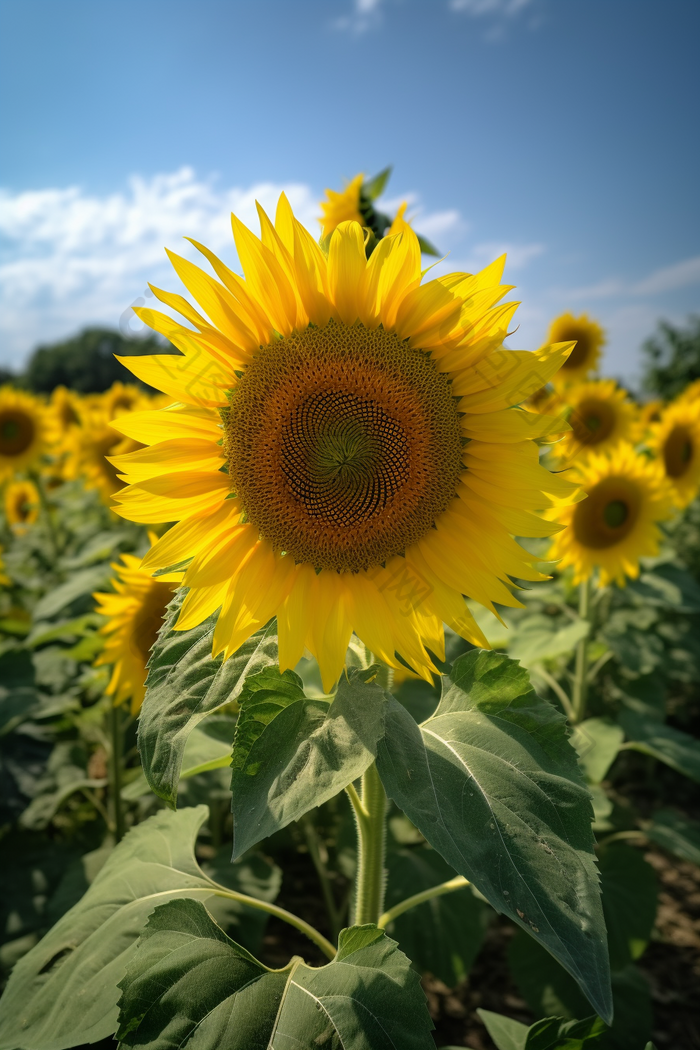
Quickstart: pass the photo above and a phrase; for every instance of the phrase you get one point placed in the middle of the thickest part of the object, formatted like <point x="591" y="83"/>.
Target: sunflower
<point x="601" y="415"/>
<point x="691" y="392"/>
<point x="136" y="611"/>
<point x="21" y="505"/>
<point x="99" y="441"/>
<point x="343" y="206"/>
<point x="589" y="337"/>
<point x="343" y="453"/>
<point x="5" y="580"/>
<point x="622" y="498"/>
<point x="63" y="414"/>
<point x="650" y="413"/>
<point x="676" y="442"/>
<point x="22" y="430"/>
<point x="122" y="397"/>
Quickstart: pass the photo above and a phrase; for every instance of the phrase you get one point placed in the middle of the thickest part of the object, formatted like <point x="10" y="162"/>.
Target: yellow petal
<point x="507" y="377"/>
<point x="266" y="278"/>
<point x="193" y="378"/>
<point x="172" y="497"/>
<point x="346" y="270"/>
<point x="169" y="457"/>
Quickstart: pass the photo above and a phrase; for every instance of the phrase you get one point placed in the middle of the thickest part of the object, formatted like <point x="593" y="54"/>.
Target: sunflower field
<point x="349" y="671"/>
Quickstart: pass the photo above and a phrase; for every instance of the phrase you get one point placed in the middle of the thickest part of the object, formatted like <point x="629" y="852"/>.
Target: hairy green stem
<point x="279" y="913"/>
<point x="115" y="769"/>
<point x="458" y="883"/>
<point x="557" y="689"/>
<point x="371" y="826"/>
<point x="580" y="690"/>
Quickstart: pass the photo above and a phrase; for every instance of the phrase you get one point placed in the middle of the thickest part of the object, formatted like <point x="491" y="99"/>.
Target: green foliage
<point x="551" y="1033"/>
<point x="291" y="754"/>
<point x="629" y="902"/>
<point x="677" y="749"/>
<point x="188" y="984"/>
<point x="443" y="936"/>
<point x="676" y="834"/>
<point x="672" y="358"/>
<point x="184" y="685"/>
<point x="86" y="362"/>
<point x="493" y="783"/>
<point x="64" y="991"/>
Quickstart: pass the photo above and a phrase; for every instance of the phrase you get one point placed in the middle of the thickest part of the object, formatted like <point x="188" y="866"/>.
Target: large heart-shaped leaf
<point x="189" y="985"/>
<point x="64" y="991"/>
<point x="494" y="785"/>
<point x="291" y="754"/>
<point x="184" y="685"/>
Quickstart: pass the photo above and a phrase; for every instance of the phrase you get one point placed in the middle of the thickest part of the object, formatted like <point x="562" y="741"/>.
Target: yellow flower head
<point x="344" y="454"/>
<point x="122" y="397"/>
<point x="676" y="442"/>
<point x="136" y="611"/>
<point x="601" y="415"/>
<point x="63" y="414"/>
<point x="99" y="441"/>
<point x="5" y="580"/>
<point x="590" y="338"/>
<point x="343" y="206"/>
<point x="617" y="522"/>
<point x="691" y="392"/>
<point x="649" y="414"/>
<point x="22" y="431"/>
<point x="21" y="505"/>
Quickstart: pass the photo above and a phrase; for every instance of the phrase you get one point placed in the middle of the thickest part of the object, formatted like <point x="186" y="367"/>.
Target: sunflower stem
<point x="458" y="883"/>
<point x="371" y="826"/>
<point x="115" y="769"/>
<point x="580" y="689"/>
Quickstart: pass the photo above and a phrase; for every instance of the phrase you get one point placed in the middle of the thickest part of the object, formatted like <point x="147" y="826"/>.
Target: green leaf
<point x="443" y="936"/>
<point x="64" y="991"/>
<point x="671" y="746"/>
<point x="548" y="989"/>
<point x="629" y="902"/>
<point x="506" y="1033"/>
<point x="676" y="834"/>
<point x="373" y="188"/>
<point x="551" y="1033"/>
<point x="597" y="741"/>
<point x="190" y="985"/>
<point x="291" y="754"/>
<point x="538" y="639"/>
<point x="184" y="685"/>
<point x="426" y="246"/>
<point x="80" y="585"/>
<point x="493" y="783"/>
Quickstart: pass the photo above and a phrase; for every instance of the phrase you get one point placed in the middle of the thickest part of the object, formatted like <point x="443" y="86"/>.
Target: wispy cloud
<point x="364" y="15"/>
<point x="497" y="15"/>
<point x="682" y="274"/>
<point x="69" y="258"/>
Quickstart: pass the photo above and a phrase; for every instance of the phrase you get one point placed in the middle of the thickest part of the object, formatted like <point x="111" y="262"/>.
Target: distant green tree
<point x="672" y="358"/>
<point x="86" y="362"/>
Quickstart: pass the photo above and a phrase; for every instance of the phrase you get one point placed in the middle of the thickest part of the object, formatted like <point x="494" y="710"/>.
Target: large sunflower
<point x="136" y="611"/>
<point x="590" y="339"/>
<point x="21" y="505"/>
<point x="622" y="497"/>
<point x="601" y="415"/>
<point x="22" y="431"/>
<point x="676" y="441"/>
<point x="344" y="454"/>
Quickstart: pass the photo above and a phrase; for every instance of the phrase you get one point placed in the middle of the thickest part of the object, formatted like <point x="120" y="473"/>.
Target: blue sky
<point x="564" y="131"/>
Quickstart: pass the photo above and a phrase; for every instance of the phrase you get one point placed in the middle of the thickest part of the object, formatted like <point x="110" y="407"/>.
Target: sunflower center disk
<point x="16" y="433"/>
<point x="593" y="421"/>
<point x="344" y="445"/>
<point x="608" y="515"/>
<point x="678" y="452"/>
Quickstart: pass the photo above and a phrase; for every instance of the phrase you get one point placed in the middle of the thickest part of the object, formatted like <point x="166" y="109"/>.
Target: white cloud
<point x="682" y="274"/>
<point x="479" y="8"/>
<point x="70" y="259"/>
<point x="365" y="15"/>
